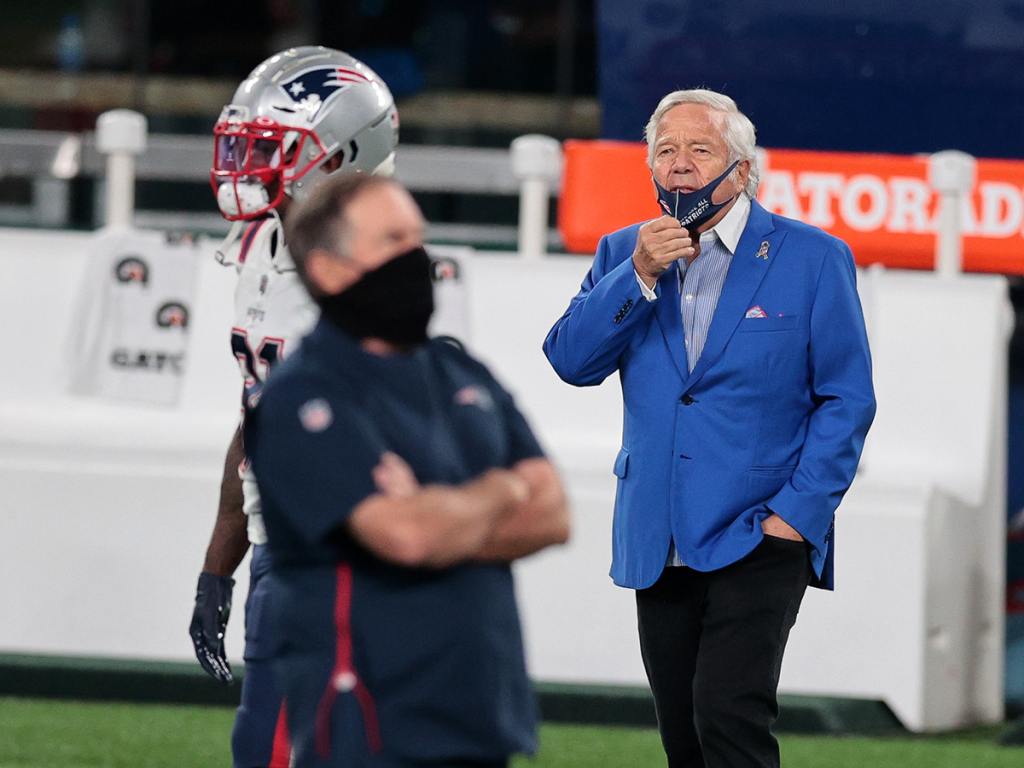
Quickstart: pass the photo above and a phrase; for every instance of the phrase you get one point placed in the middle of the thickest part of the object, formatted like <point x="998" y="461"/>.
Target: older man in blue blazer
<point x="740" y="345"/>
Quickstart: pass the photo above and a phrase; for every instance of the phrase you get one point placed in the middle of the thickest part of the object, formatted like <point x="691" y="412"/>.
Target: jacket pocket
<point x="788" y="469"/>
<point x="765" y="324"/>
<point x="621" y="463"/>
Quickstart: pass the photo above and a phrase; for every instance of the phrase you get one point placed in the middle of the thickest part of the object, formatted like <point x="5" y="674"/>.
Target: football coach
<point x="740" y="345"/>
<point x="399" y="481"/>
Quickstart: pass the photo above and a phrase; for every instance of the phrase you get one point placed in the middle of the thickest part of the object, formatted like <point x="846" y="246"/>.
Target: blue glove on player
<point x="209" y="620"/>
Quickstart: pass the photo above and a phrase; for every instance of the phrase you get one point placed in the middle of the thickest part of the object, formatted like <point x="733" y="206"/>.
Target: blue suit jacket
<point x="772" y="418"/>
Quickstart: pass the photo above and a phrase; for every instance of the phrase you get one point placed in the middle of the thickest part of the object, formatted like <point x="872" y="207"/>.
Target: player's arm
<point x="228" y="545"/>
<point x="540" y="521"/>
<point x="433" y="525"/>
<point x="229" y="541"/>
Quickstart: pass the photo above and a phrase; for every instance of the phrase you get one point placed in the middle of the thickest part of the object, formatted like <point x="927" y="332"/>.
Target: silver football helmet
<point x="293" y="113"/>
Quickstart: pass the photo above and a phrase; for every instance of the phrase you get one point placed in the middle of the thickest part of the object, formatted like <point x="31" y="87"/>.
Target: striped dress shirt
<point x="700" y="287"/>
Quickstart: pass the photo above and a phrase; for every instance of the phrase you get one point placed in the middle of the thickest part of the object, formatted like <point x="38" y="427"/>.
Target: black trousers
<point x="712" y="646"/>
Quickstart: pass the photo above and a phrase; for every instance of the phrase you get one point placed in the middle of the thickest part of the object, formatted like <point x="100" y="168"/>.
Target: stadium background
<point x="860" y="76"/>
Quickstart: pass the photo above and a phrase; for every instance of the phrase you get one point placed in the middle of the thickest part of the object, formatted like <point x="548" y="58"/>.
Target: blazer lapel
<point x="746" y="272"/>
<point x="670" y="318"/>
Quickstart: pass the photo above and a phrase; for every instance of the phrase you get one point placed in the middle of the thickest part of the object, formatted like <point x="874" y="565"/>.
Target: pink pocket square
<point x="756" y="311"/>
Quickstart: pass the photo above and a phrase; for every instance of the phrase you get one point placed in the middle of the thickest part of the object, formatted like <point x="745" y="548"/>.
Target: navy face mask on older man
<point x="694" y="208"/>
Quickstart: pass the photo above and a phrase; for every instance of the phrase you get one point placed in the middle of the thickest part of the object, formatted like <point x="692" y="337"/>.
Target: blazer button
<point x="687" y="400"/>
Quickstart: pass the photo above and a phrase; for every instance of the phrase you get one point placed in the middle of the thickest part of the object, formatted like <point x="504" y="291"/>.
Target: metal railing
<point x="51" y="160"/>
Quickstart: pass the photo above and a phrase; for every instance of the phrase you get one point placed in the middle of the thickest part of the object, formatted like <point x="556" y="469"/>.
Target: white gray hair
<point x="738" y="132"/>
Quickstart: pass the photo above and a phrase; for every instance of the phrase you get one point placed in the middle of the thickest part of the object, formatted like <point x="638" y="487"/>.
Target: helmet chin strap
<point x="279" y="223"/>
<point x="221" y="253"/>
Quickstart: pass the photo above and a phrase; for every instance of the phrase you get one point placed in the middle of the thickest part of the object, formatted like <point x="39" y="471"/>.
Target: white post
<point x="537" y="163"/>
<point x="951" y="173"/>
<point x="120" y="135"/>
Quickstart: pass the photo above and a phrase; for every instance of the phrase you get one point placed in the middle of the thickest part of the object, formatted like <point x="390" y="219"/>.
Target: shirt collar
<point x="729" y="229"/>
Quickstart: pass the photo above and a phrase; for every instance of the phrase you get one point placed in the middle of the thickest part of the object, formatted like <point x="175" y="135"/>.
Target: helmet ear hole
<point x="334" y="162"/>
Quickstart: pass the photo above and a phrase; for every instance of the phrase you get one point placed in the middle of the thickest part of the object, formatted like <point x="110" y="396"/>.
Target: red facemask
<point x="255" y="161"/>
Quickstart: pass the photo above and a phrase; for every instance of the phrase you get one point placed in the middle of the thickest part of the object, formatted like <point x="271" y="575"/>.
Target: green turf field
<point x="63" y="734"/>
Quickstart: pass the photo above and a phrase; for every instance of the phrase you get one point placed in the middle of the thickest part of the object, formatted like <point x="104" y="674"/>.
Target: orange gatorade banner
<point x="881" y="205"/>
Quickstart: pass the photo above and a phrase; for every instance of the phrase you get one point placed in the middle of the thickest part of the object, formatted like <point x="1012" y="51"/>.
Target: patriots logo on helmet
<point x="315" y="87"/>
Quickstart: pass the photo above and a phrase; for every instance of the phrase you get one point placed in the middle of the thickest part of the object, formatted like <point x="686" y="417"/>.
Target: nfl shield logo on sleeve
<point x="315" y="415"/>
<point x="477" y="396"/>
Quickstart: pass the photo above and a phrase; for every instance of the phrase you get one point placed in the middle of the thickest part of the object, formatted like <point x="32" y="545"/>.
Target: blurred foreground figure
<point x="398" y="482"/>
<point x="740" y="344"/>
<point x="301" y="117"/>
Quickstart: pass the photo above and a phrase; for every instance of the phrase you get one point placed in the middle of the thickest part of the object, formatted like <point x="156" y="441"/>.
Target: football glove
<point x="209" y="621"/>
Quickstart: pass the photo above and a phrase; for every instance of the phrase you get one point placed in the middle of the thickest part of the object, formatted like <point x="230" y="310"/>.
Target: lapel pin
<point x="762" y="252"/>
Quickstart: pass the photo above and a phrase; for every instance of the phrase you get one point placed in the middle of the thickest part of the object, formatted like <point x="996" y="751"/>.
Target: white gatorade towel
<point x="130" y="335"/>
<point x="450" y="266"/>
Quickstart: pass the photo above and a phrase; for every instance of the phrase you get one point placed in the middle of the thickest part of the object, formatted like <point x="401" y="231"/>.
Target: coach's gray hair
<point x="738" y="131"/>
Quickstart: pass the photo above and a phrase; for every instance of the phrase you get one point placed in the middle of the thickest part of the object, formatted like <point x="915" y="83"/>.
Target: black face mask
<point x="393" y="302"/>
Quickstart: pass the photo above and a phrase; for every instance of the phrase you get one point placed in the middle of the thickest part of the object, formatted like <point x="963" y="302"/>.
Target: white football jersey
<point x="273" y="312"/>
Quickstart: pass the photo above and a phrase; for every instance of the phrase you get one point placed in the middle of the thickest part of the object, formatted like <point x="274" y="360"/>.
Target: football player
<point x="300" y="116"/>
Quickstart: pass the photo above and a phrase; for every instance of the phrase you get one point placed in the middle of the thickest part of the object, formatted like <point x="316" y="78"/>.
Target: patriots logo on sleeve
<point x="315" y="87"/>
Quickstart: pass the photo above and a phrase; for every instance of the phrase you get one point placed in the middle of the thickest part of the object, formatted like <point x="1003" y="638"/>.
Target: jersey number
<point x="267" y="355"/>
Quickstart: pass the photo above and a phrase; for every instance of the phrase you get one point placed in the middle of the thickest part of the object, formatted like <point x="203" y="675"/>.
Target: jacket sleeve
<point x="841" y="388"/>
<point x="585" y="344"/>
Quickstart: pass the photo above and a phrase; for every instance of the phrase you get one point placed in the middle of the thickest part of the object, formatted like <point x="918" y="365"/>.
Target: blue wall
<point x="860" y="75"/>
